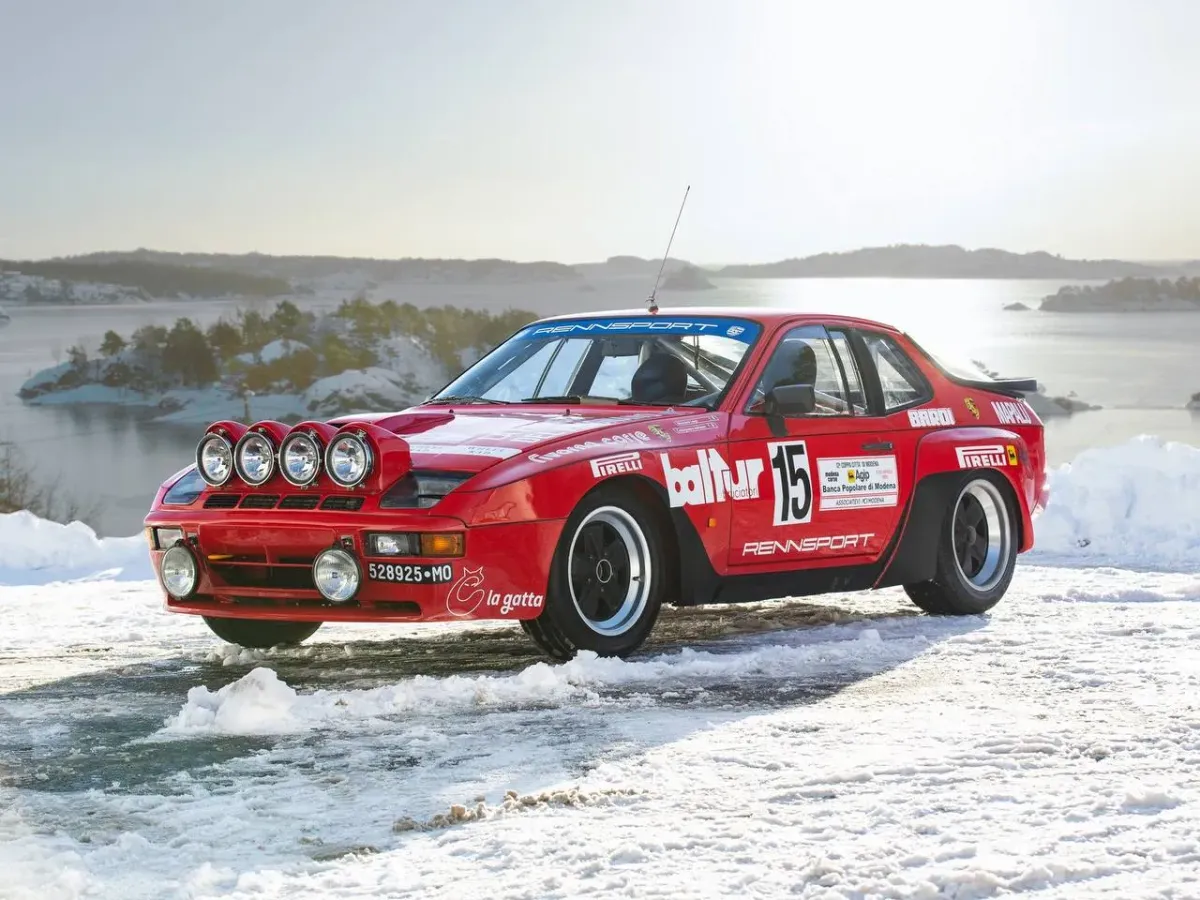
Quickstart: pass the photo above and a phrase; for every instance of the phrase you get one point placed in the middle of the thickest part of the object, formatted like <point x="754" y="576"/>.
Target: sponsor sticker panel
<point x="987" y="456"/>
<point x="1012" y="412"/>
<point x="931" y="417"/>
<point x="617" y="464"/>
<point x="791" y="546"/>
<point x="705" y="477"/>
<point x="470" y="592"/>
<point x="857" y="482"/>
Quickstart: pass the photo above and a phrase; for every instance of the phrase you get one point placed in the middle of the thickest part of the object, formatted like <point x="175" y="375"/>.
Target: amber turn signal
<point x="442" y="543"/>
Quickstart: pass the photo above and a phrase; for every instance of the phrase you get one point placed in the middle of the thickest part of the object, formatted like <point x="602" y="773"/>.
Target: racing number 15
<point x="793" y="486"/>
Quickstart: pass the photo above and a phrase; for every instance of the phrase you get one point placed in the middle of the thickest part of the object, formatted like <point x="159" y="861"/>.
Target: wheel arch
<point x="691" y="578"/>
<point x="915" y="557"/>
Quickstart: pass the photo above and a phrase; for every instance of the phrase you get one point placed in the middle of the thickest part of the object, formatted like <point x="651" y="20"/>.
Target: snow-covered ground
<point x="840" y="747"/>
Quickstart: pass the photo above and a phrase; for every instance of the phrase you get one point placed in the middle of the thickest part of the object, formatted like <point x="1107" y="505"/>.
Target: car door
<point x="830" y="491"/>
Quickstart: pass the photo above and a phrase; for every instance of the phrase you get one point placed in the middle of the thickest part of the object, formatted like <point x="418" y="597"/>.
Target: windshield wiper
<point x="561" y="398"/>
<point x="463" y="398"/>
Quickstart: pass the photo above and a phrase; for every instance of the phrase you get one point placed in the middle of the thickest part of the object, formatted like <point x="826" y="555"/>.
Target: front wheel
<point x="977" y="552"/>
<point x="607" y="579"/>
<point x="259" y="634"/>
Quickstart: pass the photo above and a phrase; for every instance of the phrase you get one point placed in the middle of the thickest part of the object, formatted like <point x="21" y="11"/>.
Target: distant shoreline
<point x="144" y="274"/>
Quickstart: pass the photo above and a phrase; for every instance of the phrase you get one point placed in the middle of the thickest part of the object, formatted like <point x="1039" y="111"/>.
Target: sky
<point x="569" y="129"/>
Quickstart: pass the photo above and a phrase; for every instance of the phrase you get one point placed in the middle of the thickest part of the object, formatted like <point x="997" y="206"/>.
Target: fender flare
<point x="914" y="558"/>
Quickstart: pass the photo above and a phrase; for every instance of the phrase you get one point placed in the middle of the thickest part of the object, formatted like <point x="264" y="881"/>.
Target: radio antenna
<point x="652" y="303"/>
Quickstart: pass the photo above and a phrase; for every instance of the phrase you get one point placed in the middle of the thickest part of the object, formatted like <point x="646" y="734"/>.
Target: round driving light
<point x="255" y="458"/>
<point x="214" y="459"/>
<point x="178" y="572"/>
<point x="348" y="460"/>
<point x="300" y="459"/>
<point x="336" y="575"/>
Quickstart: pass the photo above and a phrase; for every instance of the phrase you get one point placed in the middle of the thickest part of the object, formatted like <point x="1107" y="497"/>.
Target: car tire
<point x="608" y="578"/>
<point x="259" y="634"/>
<point x="977" y="550"/>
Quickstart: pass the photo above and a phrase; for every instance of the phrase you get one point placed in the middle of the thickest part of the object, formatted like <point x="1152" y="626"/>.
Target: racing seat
<point x="662" y="378"/>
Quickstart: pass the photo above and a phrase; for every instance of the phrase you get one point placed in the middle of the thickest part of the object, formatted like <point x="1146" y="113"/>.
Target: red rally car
<point x="591" y="468"/>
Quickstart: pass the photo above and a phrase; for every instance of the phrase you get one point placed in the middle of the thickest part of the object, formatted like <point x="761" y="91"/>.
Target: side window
<point x="902" y="382"/>
<point x="805" y="356"/>
<point x="854" y="388"/>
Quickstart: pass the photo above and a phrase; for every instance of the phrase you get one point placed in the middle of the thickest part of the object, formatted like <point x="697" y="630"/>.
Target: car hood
<point x="476" y="439"/>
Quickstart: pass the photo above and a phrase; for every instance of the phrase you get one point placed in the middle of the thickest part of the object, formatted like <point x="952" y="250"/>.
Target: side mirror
<point x="791" y="400"/>
<point x="787" y="400"/>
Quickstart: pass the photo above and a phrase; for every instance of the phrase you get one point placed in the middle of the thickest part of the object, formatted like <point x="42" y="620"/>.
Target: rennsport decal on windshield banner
<point x="736" y="329"/>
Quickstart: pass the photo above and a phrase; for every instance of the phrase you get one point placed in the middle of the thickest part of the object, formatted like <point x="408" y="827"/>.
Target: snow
<point x="852" y="748"/>
<point x="362" y="390"/>
<point x="35" y="551"/>
<point x="1136" y="504"/>
<point x="278" y="349"/>
<point x="32" y="289"/>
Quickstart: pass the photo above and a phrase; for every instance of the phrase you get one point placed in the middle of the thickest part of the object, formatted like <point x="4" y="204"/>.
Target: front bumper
<point x="256" y="568"/>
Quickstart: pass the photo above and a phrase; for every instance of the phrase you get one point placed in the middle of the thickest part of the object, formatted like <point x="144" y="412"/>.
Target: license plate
<point x="406" y="573"/>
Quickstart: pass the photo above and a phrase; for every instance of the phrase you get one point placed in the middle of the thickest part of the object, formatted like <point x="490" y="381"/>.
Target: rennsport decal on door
<point x="793" y="483"/>
<point x="852" y="482"/>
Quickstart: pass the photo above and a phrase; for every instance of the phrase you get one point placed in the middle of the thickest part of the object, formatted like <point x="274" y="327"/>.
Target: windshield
<point x="640" y="360"/>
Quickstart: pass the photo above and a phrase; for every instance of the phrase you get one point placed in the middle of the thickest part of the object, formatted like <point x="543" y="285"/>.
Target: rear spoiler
<point x="1011" y="387"/>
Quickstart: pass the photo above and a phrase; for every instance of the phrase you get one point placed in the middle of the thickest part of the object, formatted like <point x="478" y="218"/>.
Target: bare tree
<point x="20" y="489"/>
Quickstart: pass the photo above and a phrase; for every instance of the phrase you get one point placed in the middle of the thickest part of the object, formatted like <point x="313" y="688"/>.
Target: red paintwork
<point x="513" y="510"/>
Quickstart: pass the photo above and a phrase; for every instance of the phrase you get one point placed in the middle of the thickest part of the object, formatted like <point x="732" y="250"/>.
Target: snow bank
<point x="260" y="703"/>
<point x="36" y="551"/>
<point x="1136" y="504"/>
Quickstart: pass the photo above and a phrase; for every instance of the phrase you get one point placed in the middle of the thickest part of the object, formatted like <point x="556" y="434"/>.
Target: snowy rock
<point x="362" y="390"/>
<point x="279" y="349"/>
<point x="1016" y="306"/>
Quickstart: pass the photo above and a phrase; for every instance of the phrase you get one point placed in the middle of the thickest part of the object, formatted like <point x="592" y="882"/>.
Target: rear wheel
<point x="259" y="634"/>
<point x="607" y="579"/>
<point x="977" y="552"/>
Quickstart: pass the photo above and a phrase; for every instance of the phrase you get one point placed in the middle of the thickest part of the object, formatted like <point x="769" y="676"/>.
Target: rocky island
<point x="1128" y="295"/>
<point x="688" y="278"/>
<point x="287" y="365"/>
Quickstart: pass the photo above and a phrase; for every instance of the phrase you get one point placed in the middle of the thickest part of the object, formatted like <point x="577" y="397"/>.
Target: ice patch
<point x="1136" y="504"/>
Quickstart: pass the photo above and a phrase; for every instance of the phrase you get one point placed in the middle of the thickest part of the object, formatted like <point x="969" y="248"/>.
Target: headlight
<point x="178" y="572"/>
<point x="185" y="490"/>
<point x="421" y="490"/>
<point x="255" y="458"/>
<point x="348" y="460"/>
<point x="336" y="575"/>
<point x="214" y="459"/>
<point x="300" y="459"/>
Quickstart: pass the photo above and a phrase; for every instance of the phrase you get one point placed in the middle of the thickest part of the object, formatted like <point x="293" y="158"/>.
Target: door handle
<point x="878" y="445"/>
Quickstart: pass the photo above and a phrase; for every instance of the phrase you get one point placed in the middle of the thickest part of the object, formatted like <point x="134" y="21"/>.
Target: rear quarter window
<point x="900" y="379"/>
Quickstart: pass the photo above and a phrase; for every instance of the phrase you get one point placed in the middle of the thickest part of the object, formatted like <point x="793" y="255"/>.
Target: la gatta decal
<point x="468" y="593"/>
